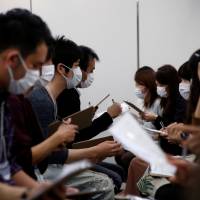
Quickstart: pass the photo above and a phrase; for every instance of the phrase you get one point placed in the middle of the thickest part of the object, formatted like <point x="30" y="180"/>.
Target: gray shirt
<point x="45" y="111"/>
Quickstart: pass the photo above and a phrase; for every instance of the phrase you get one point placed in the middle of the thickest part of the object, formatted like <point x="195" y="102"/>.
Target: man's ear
<point x="12" y="58"/>
<point x="14" y="62"/>
<point x="61" y="70"/>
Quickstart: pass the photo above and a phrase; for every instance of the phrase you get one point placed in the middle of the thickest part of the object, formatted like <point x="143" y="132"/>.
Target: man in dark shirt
<point x="68" y="102"/>
<point x="66" y="75"/>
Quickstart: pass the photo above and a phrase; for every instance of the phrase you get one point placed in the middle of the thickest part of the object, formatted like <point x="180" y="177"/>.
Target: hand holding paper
<point x="133" y="137"/>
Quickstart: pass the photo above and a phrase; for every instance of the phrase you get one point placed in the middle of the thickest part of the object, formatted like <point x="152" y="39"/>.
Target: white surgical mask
<point x="161" y="91"/>
<point x="23" y="85"/>
<point x="47" y="72"/>
<point x="76" y="79"/>
<point x="184" y="89"/>
<point x="138" y="93"/>
<point x="88" y="82"/>
<point x="20" y="86"/>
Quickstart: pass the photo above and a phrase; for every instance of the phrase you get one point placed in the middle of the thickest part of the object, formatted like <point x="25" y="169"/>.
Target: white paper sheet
<point x="134" y="138"/>
<point x="73" y="168"/>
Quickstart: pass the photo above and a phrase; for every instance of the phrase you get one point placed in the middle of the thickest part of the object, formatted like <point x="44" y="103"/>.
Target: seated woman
<point x="189" y="175"/>
<point x="174" y="108"/>
<point x="146" y="90"/>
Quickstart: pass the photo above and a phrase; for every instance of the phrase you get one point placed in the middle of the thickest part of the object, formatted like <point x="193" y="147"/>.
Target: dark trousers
<point x="113" y="171"/>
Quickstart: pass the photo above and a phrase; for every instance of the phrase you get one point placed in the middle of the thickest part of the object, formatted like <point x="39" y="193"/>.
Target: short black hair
<point x="9" y="34"/>
<point x="86" y="55"/>
<point x="29" y="28"/>
<point x="66" y="52"/>
<point x="185" y="72"/>
<point x="50" y="52"/>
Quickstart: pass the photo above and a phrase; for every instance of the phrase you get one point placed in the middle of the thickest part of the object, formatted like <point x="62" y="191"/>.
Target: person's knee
<point x="106" y="184"/>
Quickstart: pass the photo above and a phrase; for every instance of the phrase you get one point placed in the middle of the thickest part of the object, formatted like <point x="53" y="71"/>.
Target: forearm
<point x="9" y="192"/>
<point x="22" y="179"/>
<point x="98" y="125"/>
<point x="78" y="154"/>
<point x="42" y="150"/>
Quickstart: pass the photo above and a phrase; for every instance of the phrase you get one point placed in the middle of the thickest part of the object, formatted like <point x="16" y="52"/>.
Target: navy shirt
<point x="45" y="111"/>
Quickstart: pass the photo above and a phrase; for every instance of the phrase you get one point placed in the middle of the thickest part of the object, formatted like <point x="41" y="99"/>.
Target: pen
<point x="162" y="124"/>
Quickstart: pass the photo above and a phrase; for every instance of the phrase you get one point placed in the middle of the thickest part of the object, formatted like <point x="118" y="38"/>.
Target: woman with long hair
<point x="145" y="81"/>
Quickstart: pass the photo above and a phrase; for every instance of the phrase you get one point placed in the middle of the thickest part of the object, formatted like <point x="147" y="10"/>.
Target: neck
<point x="56" y="86"/>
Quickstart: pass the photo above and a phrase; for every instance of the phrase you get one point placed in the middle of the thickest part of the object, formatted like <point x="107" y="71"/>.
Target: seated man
<point x="68" y="75"/>
<point x="11" y="69"/>
<point x="68" y="102"/>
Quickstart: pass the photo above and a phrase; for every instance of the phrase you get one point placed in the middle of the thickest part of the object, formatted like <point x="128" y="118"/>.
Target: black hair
<point x="195" y="85"/>
<point x="86" y="55"/>
<point x="8" y="32"/>
<point x="185" y="72"/>
<point x="29" y="28"/>
<point x="66" y="52"/>
<point x="168" y="75"/>
<point x="50" y="52"/>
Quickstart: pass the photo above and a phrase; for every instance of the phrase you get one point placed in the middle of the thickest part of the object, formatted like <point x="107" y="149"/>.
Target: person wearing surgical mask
<point x="174" y="105"/>
<point x="69" y="102"/>
<point x="14" y="137"/>
<point x="47" y="70"/>
<point x="146" y="90"/>
<point x="185" y="74"/>
<point x="67" y="76"/>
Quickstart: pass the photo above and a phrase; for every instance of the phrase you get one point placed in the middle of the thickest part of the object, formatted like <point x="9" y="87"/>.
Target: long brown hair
<point x="146" y="76"/>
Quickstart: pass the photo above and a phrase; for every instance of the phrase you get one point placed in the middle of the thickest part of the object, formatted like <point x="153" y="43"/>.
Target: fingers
<point x="67" y="121"/>
<point x="193" y="145"/>
<point x="171" y="125"/>
<point x="188" y="128"/>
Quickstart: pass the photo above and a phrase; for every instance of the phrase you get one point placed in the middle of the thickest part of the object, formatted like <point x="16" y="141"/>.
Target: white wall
<point x="9" y="4"/>
<point x="170" y="32"/>
<point x="108" y="26"/>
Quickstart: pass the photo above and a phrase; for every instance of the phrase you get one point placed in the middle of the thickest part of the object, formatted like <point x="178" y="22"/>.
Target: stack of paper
<point x="134" y="138"/>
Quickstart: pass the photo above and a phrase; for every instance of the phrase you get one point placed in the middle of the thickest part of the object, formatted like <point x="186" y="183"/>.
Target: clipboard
<point x="160" y="174"/>
<point x="82" y="119"/>
<point x="69" y="171"/>
<point x="100" y="102"/>
<point x="134" y="107"/>
<point x="91" y="143"/>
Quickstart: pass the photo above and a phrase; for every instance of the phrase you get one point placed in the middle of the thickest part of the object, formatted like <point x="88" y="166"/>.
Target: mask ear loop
<point x="66" y="66"/>
<point x="10" y="72"/>
<point x="23" y="62"/>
